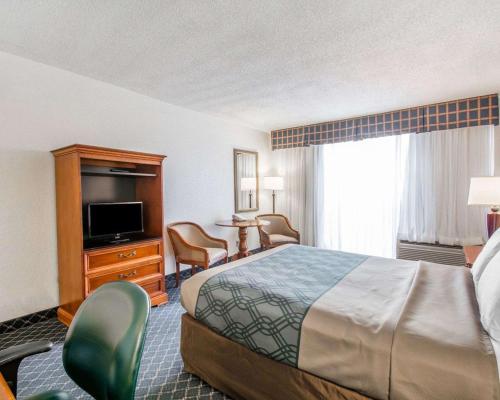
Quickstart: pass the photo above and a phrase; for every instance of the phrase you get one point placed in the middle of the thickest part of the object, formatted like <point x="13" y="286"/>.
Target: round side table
<point x="242" y="232"/>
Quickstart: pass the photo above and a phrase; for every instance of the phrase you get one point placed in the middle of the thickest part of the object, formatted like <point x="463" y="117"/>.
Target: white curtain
<point x="362" y="183"/>
<point x="362" y="196"/>
<point x="434" y="203"/>
<point x="302" y="199"/>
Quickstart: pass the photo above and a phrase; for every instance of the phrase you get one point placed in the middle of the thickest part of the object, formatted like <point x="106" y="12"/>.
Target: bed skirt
<point x="243" y="374"/>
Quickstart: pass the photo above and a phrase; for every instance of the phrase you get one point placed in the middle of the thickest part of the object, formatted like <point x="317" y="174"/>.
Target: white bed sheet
<point x="371" y="332"/>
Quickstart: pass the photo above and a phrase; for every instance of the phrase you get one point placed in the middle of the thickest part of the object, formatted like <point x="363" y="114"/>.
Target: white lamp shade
<point x="273" y="182"/>
<point x="484" y="191"/>
<point x="248" y="184"/>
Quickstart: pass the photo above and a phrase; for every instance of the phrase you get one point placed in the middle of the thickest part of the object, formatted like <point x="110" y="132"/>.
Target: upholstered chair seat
<point x="195" y="247"/>
<point x="215" y="255"/>
<point x="277" y="238"/>
<point x="278" y="232"/>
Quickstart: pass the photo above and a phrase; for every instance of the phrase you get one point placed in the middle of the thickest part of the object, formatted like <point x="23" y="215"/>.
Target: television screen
<point x="112" y="219"/>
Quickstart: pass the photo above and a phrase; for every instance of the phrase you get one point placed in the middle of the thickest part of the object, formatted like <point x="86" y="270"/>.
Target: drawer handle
<point x="131" y="254"/>
<point x="128" y="275"/>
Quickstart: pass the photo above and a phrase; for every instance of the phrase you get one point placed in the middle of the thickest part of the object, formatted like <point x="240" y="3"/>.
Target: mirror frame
<point x="235" y="172"/>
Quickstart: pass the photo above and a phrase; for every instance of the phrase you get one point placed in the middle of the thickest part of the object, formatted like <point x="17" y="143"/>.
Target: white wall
<point x="497" y="150"/>
<point x="44" y="108"/>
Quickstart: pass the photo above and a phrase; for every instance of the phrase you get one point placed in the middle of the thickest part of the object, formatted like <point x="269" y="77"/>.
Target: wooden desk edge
<point x="5" y="392"/>
<point x="471" y="253"/>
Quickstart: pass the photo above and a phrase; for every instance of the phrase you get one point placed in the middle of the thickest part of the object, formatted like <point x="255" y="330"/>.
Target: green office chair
<point x="103" y="347"/>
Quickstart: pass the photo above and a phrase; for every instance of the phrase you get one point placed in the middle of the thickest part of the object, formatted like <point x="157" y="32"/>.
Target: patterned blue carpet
<point x="160" y="376"/>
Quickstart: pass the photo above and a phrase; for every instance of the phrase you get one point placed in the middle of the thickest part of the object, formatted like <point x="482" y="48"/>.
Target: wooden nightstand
<point x="471" y="253"/>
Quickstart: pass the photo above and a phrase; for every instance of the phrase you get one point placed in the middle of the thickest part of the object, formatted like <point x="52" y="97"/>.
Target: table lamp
<point x="273" y="183"/>
<point x="485" y="191"/>
<point x="248" y="184"/>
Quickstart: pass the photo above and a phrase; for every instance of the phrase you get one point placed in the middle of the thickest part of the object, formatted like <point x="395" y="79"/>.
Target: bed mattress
<point x="382" y="327"/>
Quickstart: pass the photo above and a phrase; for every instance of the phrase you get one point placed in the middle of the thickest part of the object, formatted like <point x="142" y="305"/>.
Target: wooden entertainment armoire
<point x="88" y="174"/>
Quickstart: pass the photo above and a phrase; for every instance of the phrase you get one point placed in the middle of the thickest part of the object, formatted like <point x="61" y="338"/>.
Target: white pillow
<point x="488" y="297"/>
<point x="489" y="251"/>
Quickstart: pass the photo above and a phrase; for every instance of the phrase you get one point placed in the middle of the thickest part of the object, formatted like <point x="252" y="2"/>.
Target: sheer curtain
<point x="362" y="183"/>
<point x="302" y="199"/>
<point x="362" y="196"/>
<point x="434" y="203"/>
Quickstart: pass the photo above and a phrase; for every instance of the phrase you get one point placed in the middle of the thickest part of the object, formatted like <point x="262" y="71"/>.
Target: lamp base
<point x="492" y="221"/>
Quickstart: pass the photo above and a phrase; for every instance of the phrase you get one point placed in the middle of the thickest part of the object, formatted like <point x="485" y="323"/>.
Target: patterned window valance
<point x="474" y="111"/>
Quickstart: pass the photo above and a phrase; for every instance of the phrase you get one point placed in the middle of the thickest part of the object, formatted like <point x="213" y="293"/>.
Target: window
<point x="363" y="184"/>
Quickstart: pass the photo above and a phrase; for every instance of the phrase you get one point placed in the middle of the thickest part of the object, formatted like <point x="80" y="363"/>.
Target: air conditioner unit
<point x="436" y="253"/>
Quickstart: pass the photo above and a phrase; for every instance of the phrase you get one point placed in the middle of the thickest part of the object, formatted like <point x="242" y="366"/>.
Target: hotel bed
<point x="298" y="322"/>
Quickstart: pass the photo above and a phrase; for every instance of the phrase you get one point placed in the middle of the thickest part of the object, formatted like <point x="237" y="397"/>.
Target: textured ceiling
<point x="268" y="64"/>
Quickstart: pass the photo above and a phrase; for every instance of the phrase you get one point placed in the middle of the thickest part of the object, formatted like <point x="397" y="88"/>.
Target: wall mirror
<point x="246" y="180"/>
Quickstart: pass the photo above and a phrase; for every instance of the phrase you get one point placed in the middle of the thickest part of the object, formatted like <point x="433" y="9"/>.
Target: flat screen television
<point x="115" y="219"/>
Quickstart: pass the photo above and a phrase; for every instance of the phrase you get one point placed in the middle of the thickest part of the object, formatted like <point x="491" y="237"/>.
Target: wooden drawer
<point x="154" y="288"/>
<point x="134" y="273"/>
<point x="105" y="257"/>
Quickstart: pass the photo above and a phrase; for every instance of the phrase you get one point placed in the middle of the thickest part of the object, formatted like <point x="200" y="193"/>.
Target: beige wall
<point x="43" y="108"/>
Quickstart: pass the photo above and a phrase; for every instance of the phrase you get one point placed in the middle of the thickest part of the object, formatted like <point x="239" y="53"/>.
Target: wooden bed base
<point x="243" y="374"/>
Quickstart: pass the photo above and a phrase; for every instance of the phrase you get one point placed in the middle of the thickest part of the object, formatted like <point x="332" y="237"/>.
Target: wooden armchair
<point x="193" y="246"/>
<point x="278" y="232"/>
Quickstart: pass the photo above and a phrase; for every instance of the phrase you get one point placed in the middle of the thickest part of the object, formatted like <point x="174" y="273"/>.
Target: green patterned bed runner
<point x="262" y="304"/>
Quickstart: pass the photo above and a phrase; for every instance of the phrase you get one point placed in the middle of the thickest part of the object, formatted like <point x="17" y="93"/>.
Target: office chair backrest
<point x="103" y="347"/>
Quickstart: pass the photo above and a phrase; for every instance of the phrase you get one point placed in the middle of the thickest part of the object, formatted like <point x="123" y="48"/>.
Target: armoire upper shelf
<point x="110" y="172"/>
